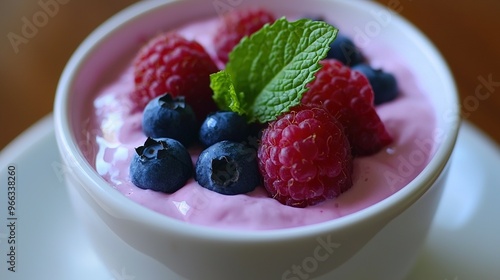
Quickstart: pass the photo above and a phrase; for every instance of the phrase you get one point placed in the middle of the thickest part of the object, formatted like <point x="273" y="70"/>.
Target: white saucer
<point x="464" y="242"/>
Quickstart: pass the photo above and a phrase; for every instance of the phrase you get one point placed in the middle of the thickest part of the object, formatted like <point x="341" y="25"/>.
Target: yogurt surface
<point x="410" y="120"/>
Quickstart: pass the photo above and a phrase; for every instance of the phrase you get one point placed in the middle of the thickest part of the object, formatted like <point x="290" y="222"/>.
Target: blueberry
<point x="162" y="164"/>
<point x="167" y="117"/>
<point x="384" y="84"/>
<point x="228" y="168"/>
<point x="223" y="125"/>
<point x="344" y="50"/>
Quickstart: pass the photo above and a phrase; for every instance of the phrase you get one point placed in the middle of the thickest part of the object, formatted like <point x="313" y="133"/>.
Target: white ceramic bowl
<point x="379" y="242"/>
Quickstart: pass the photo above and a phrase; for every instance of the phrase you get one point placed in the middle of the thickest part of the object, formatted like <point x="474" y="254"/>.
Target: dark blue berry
<point x="344" y="50"/>
<point x="162" y="165"/>
<point x="228" y="168"/>
<point x="384" y="84"/>
<point x="223" y="125"/>
<point x="167" y="117"/>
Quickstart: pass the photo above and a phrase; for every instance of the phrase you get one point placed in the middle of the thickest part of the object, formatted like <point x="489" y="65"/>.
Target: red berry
<point x="236" y="25"/>
<point x="305" y="157"/>
<point x="172" y="64"/>
<point x="348" y="96"/>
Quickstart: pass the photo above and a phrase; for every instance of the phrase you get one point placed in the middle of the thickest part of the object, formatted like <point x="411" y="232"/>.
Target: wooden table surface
<point x="466" y="32"/>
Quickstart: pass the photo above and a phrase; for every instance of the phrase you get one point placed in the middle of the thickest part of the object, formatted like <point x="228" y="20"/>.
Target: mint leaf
<point x="224" y="93"/>
<point x="267" y="73"/>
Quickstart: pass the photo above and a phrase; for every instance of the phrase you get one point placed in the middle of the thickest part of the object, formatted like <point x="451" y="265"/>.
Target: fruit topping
<point x="348" y="96"/>
<point x="228" y="168"/>
<point x="223" y="125"/>
<point x="305" y="157"/>
<point x="384" y="84"/>
<point x="167" y="117"/>
<point x="312" y="114"/>
<point x="344" y="50"/>
<point x="268" y="72"/>
<point x="171" y="64"/>
<point x="162" y="164"/>
<point x="236" y="25"/>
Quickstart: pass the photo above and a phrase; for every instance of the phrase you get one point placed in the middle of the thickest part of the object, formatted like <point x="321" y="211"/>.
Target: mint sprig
<point x="267" y="73"/>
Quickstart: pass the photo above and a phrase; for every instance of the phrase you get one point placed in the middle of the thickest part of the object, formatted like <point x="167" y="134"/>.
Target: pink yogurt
<point x="409" y="119"/>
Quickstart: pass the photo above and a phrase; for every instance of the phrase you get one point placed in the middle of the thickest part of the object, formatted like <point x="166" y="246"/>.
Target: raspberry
<point x="348" y="96"/>
<point x="305" y="157"/>
<point x="171" y="64"/>
<point x="236" y="25"/>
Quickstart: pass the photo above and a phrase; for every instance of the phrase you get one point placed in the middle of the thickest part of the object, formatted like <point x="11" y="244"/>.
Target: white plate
<point x="464" y="242"/>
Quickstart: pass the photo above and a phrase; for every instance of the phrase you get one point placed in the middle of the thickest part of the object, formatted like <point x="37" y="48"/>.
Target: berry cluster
<point x="227" y="165"/>
<point x="384" y="84"/>
<point x="302" y="158"/>
<point x="347" y="95"/>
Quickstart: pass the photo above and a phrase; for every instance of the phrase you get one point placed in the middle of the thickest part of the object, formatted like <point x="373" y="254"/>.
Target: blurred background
<point x="37" y="37"/>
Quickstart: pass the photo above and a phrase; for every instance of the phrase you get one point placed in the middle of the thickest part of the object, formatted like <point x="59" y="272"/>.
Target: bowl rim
<point x="118" y="205"/>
